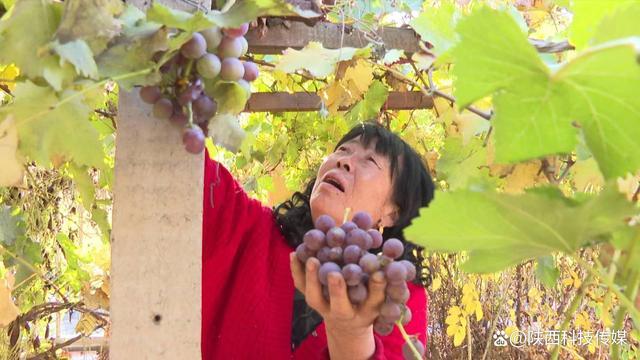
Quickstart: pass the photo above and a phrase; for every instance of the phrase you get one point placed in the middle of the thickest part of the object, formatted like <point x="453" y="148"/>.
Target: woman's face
<point x="354" y="177"/>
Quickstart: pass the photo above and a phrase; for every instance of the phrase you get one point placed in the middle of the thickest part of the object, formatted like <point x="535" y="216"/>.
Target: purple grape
<point x="324" y="223"/>
<point x="357" y="293"/>
<point x="324" y="271"/>
<point x="363" y="220"/>
<point x="348" y="226"/>
<point x="382" y="328"/>
<point x="411" y="269"/>
<point x="376" y="238"/>
<point x="204" y="108"/>
<point x="408" y="354"/>
<point x="335" y="236"/>
<point x="406" y="315"/>
<point x="352" y="274"/>
<point x="179" y="118"/>
<point x="335" y="255"/>
<point x="369" y="263"/>
<point x="231" y="70"/>
<point x="393" y="248"/>
<point x="150" y="94"/>
<point x="359" y="237"/>
<point x="230" y="48"/>
<point x="163" y="108"/>
<point x="391" y="311"/>
<point x="396" y="272"/>
<point x="398" y="292"/>
<point x="251" y="71"/>
<point x="193" y="140"/>
<point x="208" y="66"/>
<point x="324" y="255"/>
<point x="351" y="254"/>
<point x="195" y="47"/>
<point x="314" y="239"/>
<point x="236" y="32"/>
<point x="303" y="254"/>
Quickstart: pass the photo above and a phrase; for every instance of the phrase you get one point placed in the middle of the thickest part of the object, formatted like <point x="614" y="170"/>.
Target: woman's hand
<point x="349" y="328"/>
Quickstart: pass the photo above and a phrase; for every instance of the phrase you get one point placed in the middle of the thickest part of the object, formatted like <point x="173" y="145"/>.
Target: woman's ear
<point x="390" y="214"/>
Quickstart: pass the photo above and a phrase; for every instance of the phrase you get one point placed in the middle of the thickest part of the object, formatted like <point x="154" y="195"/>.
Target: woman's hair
<point x="412" y="189"/>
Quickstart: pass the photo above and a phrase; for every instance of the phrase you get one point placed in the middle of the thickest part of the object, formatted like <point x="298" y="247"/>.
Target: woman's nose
<point x="344" y="163"/>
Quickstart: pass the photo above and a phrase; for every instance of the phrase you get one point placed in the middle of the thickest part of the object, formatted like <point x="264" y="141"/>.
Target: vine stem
<point x="575" y="303"/>
<point x="407" y="339"/>
<point x="190" y="113"/>
<point x="635" y="313"/>
<point x="469" y="340"/>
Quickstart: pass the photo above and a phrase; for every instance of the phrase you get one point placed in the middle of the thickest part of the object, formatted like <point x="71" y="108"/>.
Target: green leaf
<point x="320" y="62"/>
<point x="83" y="184"/>
<point x="459" y="164"/>
<point x="436" y="25"/>
<point x="622" y="23"/>
<point x="230" y="96"/>
<point x="92" y="21"/>
<point x="248" y="10"/>
<point x="179" y="19"/>
<point x="587" y="15"/>
<point x="37" y="18"/>
<point x="9" y="229"/>
<point x="369" y="107"/>
<point x="547" y="272"/>
<point x="79" y="54"/>
<point x="10" y="160"/>
<point x="501" y="230"/>
<point x="492" y="54"/>
<point x="101" y="217"/>
<point x="54" y="129"/>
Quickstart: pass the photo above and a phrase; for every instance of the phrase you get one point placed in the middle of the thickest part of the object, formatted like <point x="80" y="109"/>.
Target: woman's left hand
<point x="349" y="328"/>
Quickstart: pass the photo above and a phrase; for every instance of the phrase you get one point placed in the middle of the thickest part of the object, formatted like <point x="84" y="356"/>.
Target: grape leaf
<point x="9" y="73"/>
<point x="37" y="18"/>
<point x="53" y="129"/>
<point x="392" y="56"/>
<point x="501" y="230"/>
<point x="9" y="229"/>
<point x="10" y="162"/>
<point x="546" y="271"/>
<point x="79" y="54"/>
<point x="588" y="13"/>
<point x="178" y="19"/>
<point x="226" y="131"/>
<point x="245" y="10"/>
<point x="436" y="25"/>
<point x="230" y="96"/>
<point x="458" y="163"/>
<point x="90" y="20"/>
<point x="83" y="184"/>
<point x="622" y="23"/>
<point x="320" y="62"/>
<point x="369" y="107"/>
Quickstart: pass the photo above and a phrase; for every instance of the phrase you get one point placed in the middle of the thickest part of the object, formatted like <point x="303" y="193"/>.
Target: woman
<point x="250" y="309"/>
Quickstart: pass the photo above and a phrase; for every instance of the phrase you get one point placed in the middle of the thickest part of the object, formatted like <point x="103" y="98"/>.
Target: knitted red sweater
<point x="247" y="289"/>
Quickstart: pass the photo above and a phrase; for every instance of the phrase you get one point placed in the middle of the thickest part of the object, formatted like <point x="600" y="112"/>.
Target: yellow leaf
<point x="436" y="284"/>
<point x="95" y="299"/>
<point x="629" y="184"/>
<point x="523" y="176"/>
<point x="451" y="330"/>
<point x="8" y="310"/>
<point x="459" y="337"/>
<point x="10" y="161"/>
<point x="479" y="313"/>
<point x="9" y="72"/>
<point x="87" y="324"/>
<point x="358" y="79"/>
<point x="510" y="330"/>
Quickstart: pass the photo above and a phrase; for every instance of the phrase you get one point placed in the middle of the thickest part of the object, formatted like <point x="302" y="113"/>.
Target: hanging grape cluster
<point x="212" y="54"/>
<point x="345" y="249"/>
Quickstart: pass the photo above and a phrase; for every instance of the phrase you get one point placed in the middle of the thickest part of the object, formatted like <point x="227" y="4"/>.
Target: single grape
<point x="163" y="108"/>
<point x="324" y="255"/>
<point x="251" y="71"/>
<point x="376" y="238"/>
<point x="351" y="254"/>
<point x="348" y="226"/>
<point x="195" y="47"/>
<point x="236" y="32"/>
<point x="411" y="269"/>
<point x="245" y="45"/>
<point x="335" y="255"/>
<point x="303" y="254"/>
<point x="382" y="328"/>
<point x="230" y="48"/>
<point x="314" y="239"/>
<point x="325" y="269"/>
<point x="204" y="107"/>
<point x="357" y="293"/>
<point x="359" y="237"/>
<point x="150" y="94"/>
<point x="231" y="70"/>
<point x="393" y="248"/>
<point x="213" y="36"/>
<point x="193" y="140"/>
<point x="363" y="220"/>
<point x="396" y="272"/>
<point x="352" y="274"/>
<point x="179" y="118"/>
<point x="408" y="354"/>
<point x="324" y="223"/>
<point x="391" y="311"/>
<point x="208" y="66"/>
<point x="335" y="236"/>
<point x="406" y="315"/>
<point x="398" y="292"/>
<point x="369" y="263"/>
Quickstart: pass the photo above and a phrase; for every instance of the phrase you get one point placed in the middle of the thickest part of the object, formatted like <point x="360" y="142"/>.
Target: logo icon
<point x="500" y="338"/>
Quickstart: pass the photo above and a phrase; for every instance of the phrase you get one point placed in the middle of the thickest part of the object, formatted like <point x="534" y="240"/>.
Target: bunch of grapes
<point x="212" y="54"/>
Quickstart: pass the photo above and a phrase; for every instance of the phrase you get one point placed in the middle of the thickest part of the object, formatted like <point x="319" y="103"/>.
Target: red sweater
<point x="247" y="289"/>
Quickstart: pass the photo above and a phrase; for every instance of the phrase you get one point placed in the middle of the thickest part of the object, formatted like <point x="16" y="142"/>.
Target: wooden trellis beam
<point x="297" y="35"/>
<point x="300" y="101"/>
